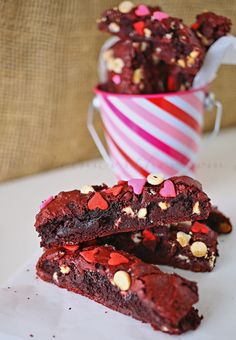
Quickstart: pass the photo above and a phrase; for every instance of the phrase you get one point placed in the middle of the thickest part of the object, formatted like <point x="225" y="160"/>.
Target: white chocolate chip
<point x="108" y="54"/>
<point x="147" y="32"/>
<point x="164" y="205"/>
<point x="183" y="238"/>
<point x="128" y="211"/>
<point x="164" y="329"/>
<point x="117" y="223"/>
<point x="55" y="277"/>
<point x="142" y="213"/>
<point x="64" y="269"/>
<point x="122" y="280"/>
<point x="196" y="209"/>
<point x="181" y="63"/>
<point x="155" y="59"/>
<point x="115" y="65"/>
<point x="194" y="54"/>
<point x="186" y="223"/>
<point x="86" y="189"/>
<point x="183" y="258"/>
<point x="212" y="260"/>
<point x="125" y="6"/>
<point x="168" y="35"/>
<point x="141" y="86"/>
<point x="143" y="46"/>
<point x="155" y="179"/>
<point x="135" y="44"/>
<point x="103" y="19"/>
<point x="190" y="61"/>
<point x="198" y="249"/>
<point x="113" y="27"/>
<point x="205" y="41"/>
<point x="137" y="76"/>
<point x="136" y="237"/>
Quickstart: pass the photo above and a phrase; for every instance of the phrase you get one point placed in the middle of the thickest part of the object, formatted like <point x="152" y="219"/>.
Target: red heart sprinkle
<point x="71" y="247"/>
<point x="89" y="255"/>
<point x="168" y="189"/>
<point x="116" y="259"/>
<point x="171" y="83"/>
<point x="195" y="26"/>
<point x="122" y="182"/>
<point x="148" y="235"/>
<point x="139" y="27"/>
<point x="160" y="15"/>
<point x="116" y="79"/>
<point x="137" y="184"/>
<point x="114" y="191"/>
<point x="46" y="202"/>
<point x="97" y="201"/>
<point x="199" y="228"/>
<point x="142" y="10"/>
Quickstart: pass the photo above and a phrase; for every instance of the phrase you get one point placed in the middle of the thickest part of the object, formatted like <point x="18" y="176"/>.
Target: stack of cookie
<point x="156" y="53"/>
<point x="100" y="241"/>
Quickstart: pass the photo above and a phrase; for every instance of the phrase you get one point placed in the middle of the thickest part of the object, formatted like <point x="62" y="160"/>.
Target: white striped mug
<point x="156" y="133"/>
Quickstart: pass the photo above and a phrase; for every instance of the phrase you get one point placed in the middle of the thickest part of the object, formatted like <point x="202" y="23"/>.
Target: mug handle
<point x="209" y="104"/>
<point x="94" y="105"/>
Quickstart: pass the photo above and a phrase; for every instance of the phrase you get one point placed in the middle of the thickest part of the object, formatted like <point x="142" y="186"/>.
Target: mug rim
<point x="204" y="88"/>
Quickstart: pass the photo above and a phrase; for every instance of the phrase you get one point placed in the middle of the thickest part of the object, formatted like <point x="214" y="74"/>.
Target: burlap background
<point x="48" y="55"/>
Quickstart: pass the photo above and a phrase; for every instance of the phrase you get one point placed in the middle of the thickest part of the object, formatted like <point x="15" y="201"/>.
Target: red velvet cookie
<point x="82" y="215"/>
<point x="209" y="27"/>
<point x="219" y="222"/>
<point x="124" y="283"/>
<point x="134" y="68"/>
<point x="167" y="55"/>
<point x="188" y="245"/>
<point x="129" y="68"/>
<point x="128" y="21"/>
<point x="174" y="42"/>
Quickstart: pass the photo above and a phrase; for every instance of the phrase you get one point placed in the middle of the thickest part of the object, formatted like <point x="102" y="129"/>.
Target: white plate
<point x="31" y="306"/>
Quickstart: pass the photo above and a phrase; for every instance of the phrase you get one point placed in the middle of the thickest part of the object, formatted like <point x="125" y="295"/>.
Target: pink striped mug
<point x="156" y="133"/>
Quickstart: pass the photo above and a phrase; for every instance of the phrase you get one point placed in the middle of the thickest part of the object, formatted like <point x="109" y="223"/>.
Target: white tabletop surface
<point x="20" y="199"/>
